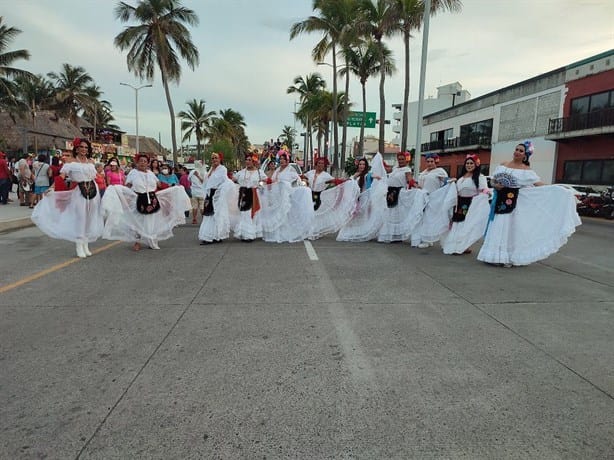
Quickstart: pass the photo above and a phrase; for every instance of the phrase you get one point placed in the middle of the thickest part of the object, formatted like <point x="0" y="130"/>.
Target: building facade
<point x="491" y="125"/>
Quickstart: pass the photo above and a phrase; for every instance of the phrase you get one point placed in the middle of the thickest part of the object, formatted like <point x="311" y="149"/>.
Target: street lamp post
<point x="136" y="105"/>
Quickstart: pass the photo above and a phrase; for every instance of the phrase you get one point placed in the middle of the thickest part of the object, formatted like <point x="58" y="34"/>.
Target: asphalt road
<point x="255" y="350"/>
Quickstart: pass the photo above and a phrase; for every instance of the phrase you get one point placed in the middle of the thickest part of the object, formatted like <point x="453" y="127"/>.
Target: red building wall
<point x="598" y="147"/>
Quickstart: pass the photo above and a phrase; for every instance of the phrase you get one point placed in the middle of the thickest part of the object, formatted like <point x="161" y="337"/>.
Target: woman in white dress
<point x="367" y="216"/>
<point x="294" y="198"/>
<point x="440" y="203"/>
<point x="248" y="226"/>
<point x="528" y="221"/>
<point x="404" y="204"/>
<point x="333" y="207"/>
<point x="138" y="212"/>
<point x="220" y="202"/>
<point x="471" y="211"/>
<point x="73" y="215"/>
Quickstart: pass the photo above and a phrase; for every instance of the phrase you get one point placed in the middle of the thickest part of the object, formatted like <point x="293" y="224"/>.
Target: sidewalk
<point x="13" y="216"/>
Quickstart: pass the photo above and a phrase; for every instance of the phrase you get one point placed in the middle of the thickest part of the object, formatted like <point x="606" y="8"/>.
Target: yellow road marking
<point x="46" y="271"/>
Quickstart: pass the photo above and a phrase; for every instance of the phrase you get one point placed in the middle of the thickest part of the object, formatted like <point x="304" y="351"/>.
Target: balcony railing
<point x="457" y="142"/>
<point x="596" y="119"/>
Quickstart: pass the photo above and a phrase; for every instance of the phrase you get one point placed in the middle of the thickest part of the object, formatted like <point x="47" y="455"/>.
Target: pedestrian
<point x="42" y="178"/>
<point x="196" y="186"/>
<point x="6" y="179"/>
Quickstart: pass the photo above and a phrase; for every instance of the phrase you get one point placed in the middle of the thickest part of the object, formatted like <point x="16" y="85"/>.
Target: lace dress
<point x="68" y="215"/>
<point x="542" y="221"/>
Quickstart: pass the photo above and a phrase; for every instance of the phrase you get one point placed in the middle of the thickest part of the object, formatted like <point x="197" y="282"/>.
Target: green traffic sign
<point x="355" y="119"/>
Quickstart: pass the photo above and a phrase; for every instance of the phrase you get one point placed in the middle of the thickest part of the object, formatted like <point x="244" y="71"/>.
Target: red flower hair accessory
<point x="76" y="142"/>
<point x="474" y="157"/>
<point x="324" y="159"/>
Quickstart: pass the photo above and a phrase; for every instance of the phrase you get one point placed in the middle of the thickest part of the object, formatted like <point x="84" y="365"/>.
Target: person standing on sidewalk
<point x="6" y="179"/>
<point x="196" y="185"/>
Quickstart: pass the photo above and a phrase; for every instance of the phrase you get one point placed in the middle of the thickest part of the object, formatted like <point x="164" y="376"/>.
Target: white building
<point x="447" y="96"/>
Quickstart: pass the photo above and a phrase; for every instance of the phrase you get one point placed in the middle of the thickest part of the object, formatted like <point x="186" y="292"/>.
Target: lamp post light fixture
<point x="136" y="105"/>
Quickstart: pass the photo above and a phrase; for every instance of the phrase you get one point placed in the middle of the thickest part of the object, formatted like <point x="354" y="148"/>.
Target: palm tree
<point x="410" y="14"/>
<point x="288" y="134"/>
<point x="8" y="88"/>
<point x="364" y="61"/>
<point x="331" y="24"/>
<point x="379" y="20"/>
<point x="158" y="40"/>
<point x="75" y="91"/>
<point x="196" y="121"/>
<point x="306" y="87"/>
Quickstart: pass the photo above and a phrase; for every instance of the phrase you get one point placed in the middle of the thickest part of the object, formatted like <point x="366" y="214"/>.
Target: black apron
<point x="208" y="207"/>
<point x="506" y="200"/>
<point x="246" y="198"/>
<point x="462" y="206"/>
<point x="392" y="197"/>
<point x="147" y="203"/>
<point x="317" y="202"/>
<point x="88" y="189"/>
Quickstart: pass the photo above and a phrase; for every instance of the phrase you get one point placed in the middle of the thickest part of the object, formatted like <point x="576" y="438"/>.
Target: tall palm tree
<point x="75" y="91"/>
<point x="410" y="14"/>
<point x="379" y="20"/>
<point x="196" y="121"/>
<point x="288" y="134"/>
<point x="330" y="23"/>
<point x="8" y="99"/>
<point x="365" y="61"/>
<point x="306" y="87"/>
<point x="158" y="40"/>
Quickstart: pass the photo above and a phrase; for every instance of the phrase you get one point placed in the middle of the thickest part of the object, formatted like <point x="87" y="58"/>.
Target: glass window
<point x="572" y="171"/>
<point x="434" y="136"/>
<point x="591" y="172"/>
<point x="600" y="101"/>
<point x="448" y="134"/>
<point x="607" y="173"/>
<point x="579" y="105"/>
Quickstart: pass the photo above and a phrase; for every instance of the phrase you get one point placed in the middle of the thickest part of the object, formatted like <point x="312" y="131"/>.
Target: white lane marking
<point x="310" y="251"/>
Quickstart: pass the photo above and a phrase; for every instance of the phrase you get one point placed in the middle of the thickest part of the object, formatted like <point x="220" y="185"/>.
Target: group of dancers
<point x="521" y="220"/>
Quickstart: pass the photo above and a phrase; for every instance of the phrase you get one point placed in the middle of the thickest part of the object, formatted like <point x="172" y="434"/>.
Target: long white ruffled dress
<point x="336" y="204"/>
<point x="438" y="210"/>
<point x="248" y="227"/>
<point x="543" y="220"/>
<point x="125" y="223"/>
<point x="464" y="234"/>
<point x="296" y="224"/>
<point x="216" y="227"/>
<point x="401" y="221"/>
<point x="67" y="215"/>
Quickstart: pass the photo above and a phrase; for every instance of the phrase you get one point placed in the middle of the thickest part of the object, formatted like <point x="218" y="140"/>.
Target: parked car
<point x="580" y="191"/>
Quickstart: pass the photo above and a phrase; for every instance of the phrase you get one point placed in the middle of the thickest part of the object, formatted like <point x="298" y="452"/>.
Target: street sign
<point x="355" y="119"/>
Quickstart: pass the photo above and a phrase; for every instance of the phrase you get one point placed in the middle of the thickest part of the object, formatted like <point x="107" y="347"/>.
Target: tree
<point x="331" y="24"/>
<point x="74" y="90"/>
<point x="158" y="40"/>
<point x="305" y="87"/>
<point x="196" y="121"/>
<point x="379" y="20"/>
<point x="288" y="134"/>
<point x="8" y="88"/>
<point x="410" y="14"/>
<point x="364" y="61"/>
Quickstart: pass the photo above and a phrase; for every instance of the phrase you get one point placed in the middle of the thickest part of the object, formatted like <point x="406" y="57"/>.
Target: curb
<point x="15" y="224"/>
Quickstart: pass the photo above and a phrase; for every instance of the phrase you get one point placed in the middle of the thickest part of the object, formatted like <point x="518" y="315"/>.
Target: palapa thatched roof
<point x="147" y="145"/>
<point x="46" y="131"/>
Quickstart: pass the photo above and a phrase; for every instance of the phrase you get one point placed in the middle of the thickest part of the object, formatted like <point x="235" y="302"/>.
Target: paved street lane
<point x="336" y="350"/>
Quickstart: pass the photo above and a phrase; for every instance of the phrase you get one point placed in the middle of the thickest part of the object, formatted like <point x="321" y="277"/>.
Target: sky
<point x="247" y="60"/>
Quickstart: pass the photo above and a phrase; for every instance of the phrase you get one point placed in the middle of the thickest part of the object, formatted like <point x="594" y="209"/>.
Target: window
<point x="594" y="172"/>
<point x="476" y="133"/>
<point x="592" y="103"/>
